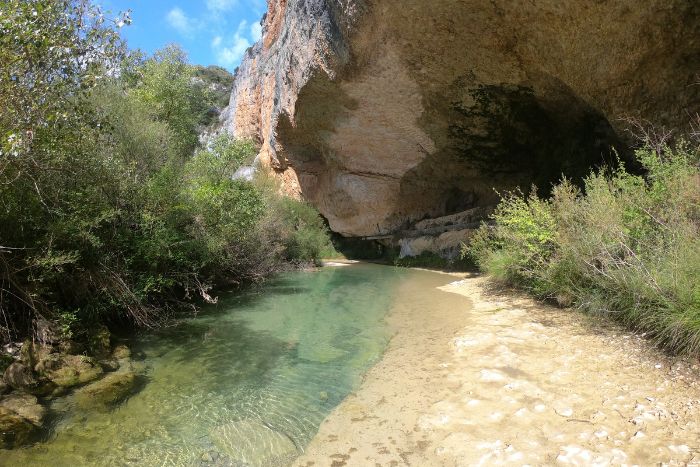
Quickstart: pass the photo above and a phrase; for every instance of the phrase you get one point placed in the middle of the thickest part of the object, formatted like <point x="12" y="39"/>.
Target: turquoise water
<point x="246" y="382"/>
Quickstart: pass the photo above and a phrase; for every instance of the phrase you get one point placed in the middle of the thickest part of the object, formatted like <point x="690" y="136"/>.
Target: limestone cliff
<point x="382" y="113"/>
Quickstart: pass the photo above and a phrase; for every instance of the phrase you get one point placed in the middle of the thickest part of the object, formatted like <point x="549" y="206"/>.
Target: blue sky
<point x="213" y="32"/>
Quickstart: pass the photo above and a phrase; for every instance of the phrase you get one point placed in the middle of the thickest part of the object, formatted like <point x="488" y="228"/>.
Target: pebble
<point x="491" y="376"/>
<point x="567" y="412"/>
<point x="679" y="449"/>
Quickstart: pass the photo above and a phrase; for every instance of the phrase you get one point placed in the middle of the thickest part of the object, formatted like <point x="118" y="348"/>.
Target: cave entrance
<point x="506" y="137"/>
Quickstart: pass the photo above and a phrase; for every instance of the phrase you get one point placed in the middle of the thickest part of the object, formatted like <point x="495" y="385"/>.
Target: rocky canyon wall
<point x="386" y="112"/>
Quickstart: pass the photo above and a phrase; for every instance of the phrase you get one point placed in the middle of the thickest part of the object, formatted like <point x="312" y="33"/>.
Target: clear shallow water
<point x="248" y="381"/>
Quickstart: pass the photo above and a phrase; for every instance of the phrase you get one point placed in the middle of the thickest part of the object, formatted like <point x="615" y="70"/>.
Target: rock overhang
<point x="385" y="113"/>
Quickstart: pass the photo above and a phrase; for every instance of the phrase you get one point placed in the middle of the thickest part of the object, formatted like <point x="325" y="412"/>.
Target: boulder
<point x="5" y="361"/>
<point x="25" y="405"/>
<point x="27" y="354"/>
<point x="46" y="332"/>
<point x="70" y="347"/>
<point x="383" y="113"/>
<point x="109" y="364"/>
<point x="20" y="416"/>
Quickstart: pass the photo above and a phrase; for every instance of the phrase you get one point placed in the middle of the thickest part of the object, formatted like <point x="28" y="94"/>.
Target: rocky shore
<point x="36" y="372"/>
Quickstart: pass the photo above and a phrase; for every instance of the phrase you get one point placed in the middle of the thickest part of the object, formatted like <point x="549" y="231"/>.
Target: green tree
<point x="165" y="83"/>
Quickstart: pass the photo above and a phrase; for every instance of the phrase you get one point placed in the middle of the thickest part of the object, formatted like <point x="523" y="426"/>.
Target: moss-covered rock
<point x="120" y="352"/>
<point x="74" y="370"/>
<point x="26" y="353"/>
<point x="71" y="347"/>
<point x="5" y="361"/>
<point x="99" y="342"/>
<point x="46" y="332"/>
<point x="110" y="364"/>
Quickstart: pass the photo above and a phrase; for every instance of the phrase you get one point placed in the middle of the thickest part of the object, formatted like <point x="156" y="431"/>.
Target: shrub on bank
<point x="626" y="246"/>
<point x="110" y="210"/>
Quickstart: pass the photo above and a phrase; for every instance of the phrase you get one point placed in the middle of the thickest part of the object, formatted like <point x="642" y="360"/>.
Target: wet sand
<point x="477" y="376"/>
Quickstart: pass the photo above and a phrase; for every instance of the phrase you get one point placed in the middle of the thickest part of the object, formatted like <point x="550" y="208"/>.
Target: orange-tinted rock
<point x="385" y="113"/>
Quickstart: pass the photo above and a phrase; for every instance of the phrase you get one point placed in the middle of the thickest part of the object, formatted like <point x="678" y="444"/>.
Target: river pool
<point x="245" y="382"/>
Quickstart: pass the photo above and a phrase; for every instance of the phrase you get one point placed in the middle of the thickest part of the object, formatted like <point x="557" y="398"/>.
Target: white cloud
<point x="229" y="53"/>
<point x="221" y="5"/>
<point x="179" y="21"/>
<point x="230" y="56"/>
<point x="255" y="32"/>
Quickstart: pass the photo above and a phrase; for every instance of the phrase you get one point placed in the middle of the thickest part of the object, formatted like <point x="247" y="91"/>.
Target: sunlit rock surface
<point x="386" y="113"/>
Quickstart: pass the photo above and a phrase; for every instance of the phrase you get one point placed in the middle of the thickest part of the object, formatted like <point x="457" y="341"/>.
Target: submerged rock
<point x="20" y="415"/>
<point x="319" y="352"/>
<point x="108" y="391"/>
<point x="14" y="429"/>
<point x="24" y="405"/>
<point x="254" y="443"/>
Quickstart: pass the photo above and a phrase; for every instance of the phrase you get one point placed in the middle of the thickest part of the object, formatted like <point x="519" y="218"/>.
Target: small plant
<point x="627" y="246"/>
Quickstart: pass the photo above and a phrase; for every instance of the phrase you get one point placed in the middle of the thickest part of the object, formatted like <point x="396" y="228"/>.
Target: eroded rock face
<point x="383" y="113"/>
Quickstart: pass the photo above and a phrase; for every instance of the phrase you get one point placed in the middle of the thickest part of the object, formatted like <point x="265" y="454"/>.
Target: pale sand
<point x="478" y="377"/>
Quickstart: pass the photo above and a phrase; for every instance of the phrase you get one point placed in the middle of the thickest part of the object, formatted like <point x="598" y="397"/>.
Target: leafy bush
<point x="296" y="227"/>
<point x="521" y="242"/>
<point x="628" y="247"/>
<point x="109" y="209"/>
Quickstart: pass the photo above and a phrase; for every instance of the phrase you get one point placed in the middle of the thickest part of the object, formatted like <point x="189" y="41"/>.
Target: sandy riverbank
<point x="475" y="376"/>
